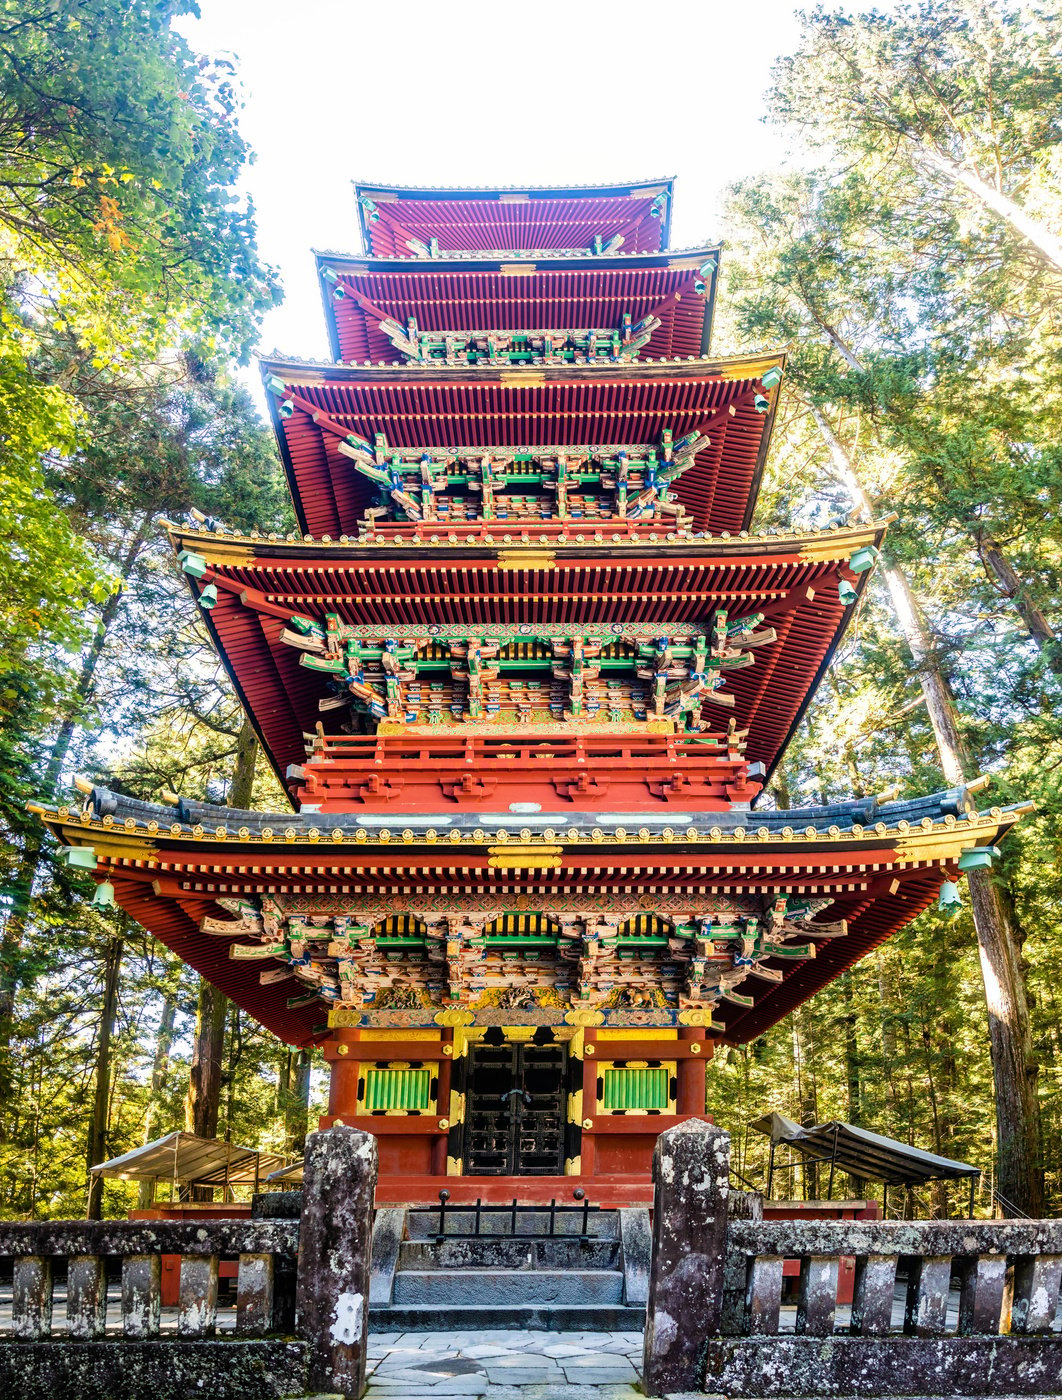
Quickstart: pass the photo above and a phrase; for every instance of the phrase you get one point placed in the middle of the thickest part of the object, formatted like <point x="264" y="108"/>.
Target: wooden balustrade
<point x="266" y="1250"/>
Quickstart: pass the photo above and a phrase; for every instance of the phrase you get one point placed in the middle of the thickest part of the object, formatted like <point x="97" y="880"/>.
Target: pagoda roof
<point x="437" y="406"/>
<point x="792" y="578"/>
<point x="476" y="293"/>
<point x="512" y="217"/>
<point x="879" y="864"/>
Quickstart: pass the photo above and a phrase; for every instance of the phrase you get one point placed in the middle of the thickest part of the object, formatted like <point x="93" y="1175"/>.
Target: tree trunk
<point x="939" y="1188"/>
<point x="783" y="795"/>
<point x="296" y="1102"/>
<point x="24" y="880"/>
<point x="241" y="788"/>
<point x="203" y="1102"/>
<point x="229" y="1078"/>
<point x="806" y="1088"/>
<point x="97" y="1139"/>
<point x="1012" y="214"/>
<point x="1014" y="1067"/>
<point x="887" y="997"/>
<point x="204" y="1080"/>
<point x="1006" y="578"/>
<point x="853" y="1072"/>
<point x="159" y="1065"/>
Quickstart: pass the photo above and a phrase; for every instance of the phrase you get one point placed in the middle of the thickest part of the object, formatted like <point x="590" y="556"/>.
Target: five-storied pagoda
<point x="524" y="672"/>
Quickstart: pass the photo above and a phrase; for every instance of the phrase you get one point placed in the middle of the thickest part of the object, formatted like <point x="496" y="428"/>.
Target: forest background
<point x="911" y="259"/>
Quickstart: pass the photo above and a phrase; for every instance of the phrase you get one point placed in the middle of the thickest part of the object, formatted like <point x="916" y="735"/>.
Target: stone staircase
<point x="514" y="1272"/>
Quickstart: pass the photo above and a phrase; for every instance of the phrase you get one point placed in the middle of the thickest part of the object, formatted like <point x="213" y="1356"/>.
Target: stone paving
<point x="505" y="1365"/>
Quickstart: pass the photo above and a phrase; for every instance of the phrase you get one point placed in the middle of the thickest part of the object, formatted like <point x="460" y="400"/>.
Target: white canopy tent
<point x="185" y="1160"/>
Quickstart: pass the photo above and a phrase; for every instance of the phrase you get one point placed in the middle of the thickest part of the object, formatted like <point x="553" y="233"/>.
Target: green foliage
<point x="972" y="81"/>
<point x="122" y="244"/>
<point x="129" y="283"/>
<point x="925" y="331"/>
<point x="47" y="575"/>
<point x="118" y="157"/>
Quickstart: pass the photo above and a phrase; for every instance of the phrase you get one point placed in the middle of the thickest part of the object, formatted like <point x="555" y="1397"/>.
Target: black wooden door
<point x="515" y="1110"/>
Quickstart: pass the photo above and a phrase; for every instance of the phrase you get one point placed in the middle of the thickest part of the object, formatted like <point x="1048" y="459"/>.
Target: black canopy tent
<point x="860" y="1153"/>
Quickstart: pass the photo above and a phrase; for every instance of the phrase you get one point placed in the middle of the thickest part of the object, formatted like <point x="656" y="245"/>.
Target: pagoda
<point x="524" y="671"/>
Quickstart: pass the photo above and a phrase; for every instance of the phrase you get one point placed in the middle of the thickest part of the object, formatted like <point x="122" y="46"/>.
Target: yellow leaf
<point x="127" y="175"/>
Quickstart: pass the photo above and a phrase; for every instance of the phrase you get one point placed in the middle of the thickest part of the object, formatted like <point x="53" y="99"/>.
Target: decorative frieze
<point x="586" y="483"/>
<point x="529" y="673"/>
<point x="593" y="346"/>
<point x="476" y="958"/>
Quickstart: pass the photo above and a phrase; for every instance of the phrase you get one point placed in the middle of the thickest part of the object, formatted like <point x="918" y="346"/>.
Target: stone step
<point x="495" y="1220"/>
<point x="490" y="1289"/>
<point x="497" y="1252"/>
<point x="560" y="1317"/>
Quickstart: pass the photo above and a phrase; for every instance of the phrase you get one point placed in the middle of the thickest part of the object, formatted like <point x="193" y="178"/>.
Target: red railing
<point x="402" y="771"/>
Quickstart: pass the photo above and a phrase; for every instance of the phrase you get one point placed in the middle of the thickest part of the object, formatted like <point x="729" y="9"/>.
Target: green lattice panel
<point x="394" y="1089"/>
<point x="626" y="1089"/>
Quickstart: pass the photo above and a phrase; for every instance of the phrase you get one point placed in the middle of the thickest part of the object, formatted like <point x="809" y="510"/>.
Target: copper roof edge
<point x="945" y="814"/>
<point x="468" y="191"/>
<point x="499" y="255"/>
<point x="273" y="361"/>
<point x="706" y="542"/>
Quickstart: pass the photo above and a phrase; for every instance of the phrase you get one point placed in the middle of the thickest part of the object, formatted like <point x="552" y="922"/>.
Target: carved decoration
<point x="529" y="673"/>
<point x="564" y="959"/>
<point x="584" y="483"/>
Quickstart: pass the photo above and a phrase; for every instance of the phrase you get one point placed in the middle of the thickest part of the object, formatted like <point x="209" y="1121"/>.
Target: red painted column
<point x="691" y="1073"/>
<point x="343" y="1074"/>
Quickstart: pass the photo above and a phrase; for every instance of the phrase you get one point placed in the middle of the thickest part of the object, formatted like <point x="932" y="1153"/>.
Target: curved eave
<point x="169" y="882"/>
<point x="451" y="197"/>
<point x="401" y="288"/>
<point x="231" y="548"/>
<point x="771" y="695"/>
<point x="716" y="850"/>
<point x="548" y="259"/>
<point x="431" y="405"/>
<point x="315" y="373"/>
<point x="619" y="188"/>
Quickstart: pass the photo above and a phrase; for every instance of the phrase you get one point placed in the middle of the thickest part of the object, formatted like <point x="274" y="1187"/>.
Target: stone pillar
<point x="691" y="1072"/>
<point x="335" y="1246"/>
<point x="691" y="1175"/>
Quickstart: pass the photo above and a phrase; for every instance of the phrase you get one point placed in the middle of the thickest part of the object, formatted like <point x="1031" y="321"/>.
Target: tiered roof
<point x="443" y="410"/>
<point x="525" y="668"/>
<point x="874" y="865"/>
<point x="509" y="218"/>
<point x="370" y="302"/>
<point x="791" y="582"/>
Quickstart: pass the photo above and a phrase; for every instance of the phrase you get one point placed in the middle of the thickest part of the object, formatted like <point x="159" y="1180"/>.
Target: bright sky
<point x="485" y="92"/>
